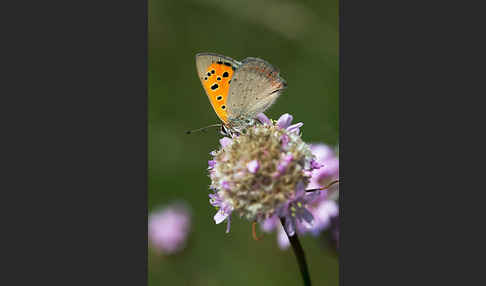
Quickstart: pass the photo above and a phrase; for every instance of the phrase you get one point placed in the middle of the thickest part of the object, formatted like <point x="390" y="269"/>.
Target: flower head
<point x="168" y="228"/>
<point x="262" y="172"/>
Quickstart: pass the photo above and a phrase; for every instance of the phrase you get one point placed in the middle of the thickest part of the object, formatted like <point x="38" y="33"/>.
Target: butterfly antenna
<point x="203" y="129"/>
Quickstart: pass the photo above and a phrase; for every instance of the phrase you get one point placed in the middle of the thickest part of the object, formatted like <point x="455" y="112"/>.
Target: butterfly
<point x="238" y="91"/>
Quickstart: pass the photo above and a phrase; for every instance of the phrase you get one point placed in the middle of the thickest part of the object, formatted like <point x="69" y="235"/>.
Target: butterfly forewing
<point x="215" y="72"/>
<point x="255" y="86"/>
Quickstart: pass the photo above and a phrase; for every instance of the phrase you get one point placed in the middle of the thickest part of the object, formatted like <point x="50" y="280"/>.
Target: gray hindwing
<point x="255" y="86"/>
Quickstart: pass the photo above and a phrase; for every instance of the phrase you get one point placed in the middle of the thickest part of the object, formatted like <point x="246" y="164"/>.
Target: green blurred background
<point x="298" y="37"/>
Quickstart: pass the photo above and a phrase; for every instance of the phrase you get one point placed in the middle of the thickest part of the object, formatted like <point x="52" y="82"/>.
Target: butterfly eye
<point x="243" y="131"/>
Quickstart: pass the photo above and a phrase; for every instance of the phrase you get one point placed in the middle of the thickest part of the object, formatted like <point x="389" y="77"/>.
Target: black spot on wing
<point x="214" y="86"/>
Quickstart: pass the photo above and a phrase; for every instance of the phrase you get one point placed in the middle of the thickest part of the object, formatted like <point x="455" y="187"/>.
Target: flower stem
<point x="299" y="253"/>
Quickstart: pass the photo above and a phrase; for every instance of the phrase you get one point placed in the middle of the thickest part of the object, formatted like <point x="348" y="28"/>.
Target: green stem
<point x="299" y="254"/>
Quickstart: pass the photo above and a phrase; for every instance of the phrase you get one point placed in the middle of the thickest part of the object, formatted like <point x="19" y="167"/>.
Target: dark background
<point x="298" y="37"/>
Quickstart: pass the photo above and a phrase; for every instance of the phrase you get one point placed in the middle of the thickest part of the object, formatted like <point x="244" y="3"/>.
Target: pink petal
<point x="225" y="141"/>
<point x="253" y="166"/>
<point x="220" y="216"/>
<point x="282" y="239"/>
<point x="284" y="121"/>
<point x="263" y="119"/>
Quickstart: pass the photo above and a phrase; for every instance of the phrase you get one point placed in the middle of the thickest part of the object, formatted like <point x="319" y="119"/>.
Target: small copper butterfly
<point x="238" y="91"/>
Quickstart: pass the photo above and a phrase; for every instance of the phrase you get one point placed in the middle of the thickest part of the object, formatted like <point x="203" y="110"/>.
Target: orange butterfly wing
<point x="215" y="73"/>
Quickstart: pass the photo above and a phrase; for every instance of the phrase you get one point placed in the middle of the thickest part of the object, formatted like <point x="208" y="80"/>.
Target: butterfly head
<point x="238" y="126"/>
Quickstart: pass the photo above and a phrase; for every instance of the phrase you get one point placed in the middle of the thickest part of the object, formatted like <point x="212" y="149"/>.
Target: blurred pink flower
<point x="329" y="169"/>
<point x="169" y="227"/>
